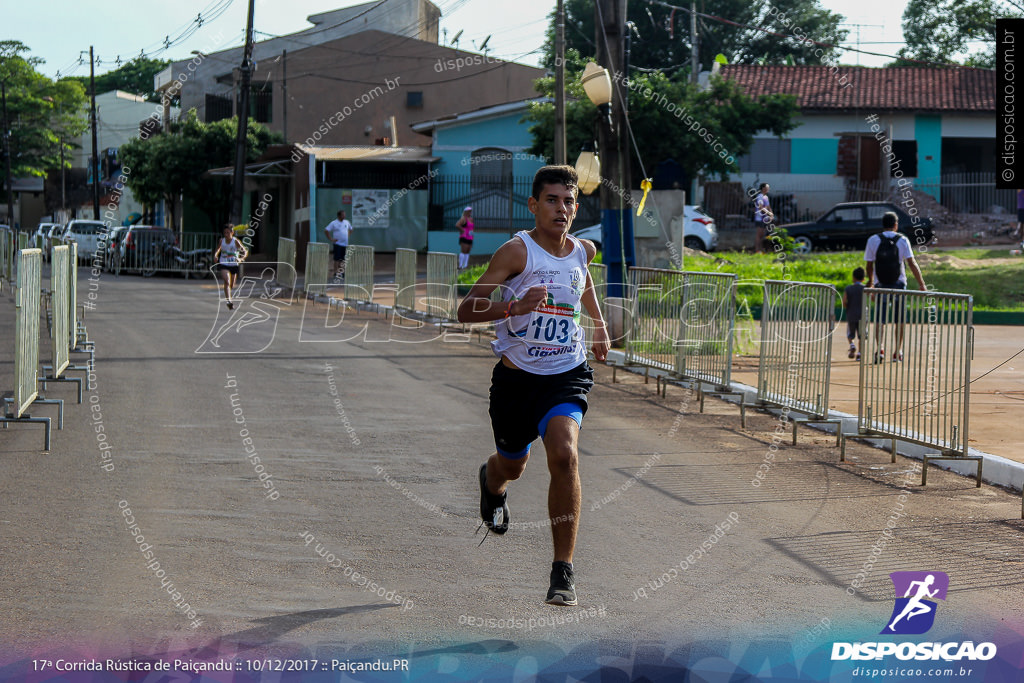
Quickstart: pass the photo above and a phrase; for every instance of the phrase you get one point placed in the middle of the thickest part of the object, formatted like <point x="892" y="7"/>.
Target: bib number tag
<point x="551" y="325"/>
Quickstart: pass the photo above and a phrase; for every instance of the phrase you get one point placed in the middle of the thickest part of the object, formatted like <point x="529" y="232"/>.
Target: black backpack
<point x="887" y="260"/>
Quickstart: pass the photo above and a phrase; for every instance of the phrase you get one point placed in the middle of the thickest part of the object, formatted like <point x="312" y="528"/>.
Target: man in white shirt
<point x="338" y="231"/>
<point x="886" y="256"/>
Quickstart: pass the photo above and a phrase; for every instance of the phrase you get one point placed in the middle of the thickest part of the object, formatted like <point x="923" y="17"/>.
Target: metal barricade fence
<point x="286" y="255"/>
<point x="405" y="279"/>
<point x="7" y="255"/>
<point x="359" y="274"/>
<point x="26" y="329"/>
<point x="60" y="287"/>
<point x="73" y="295"/>
<point x="26" y="345"/>
<point x="599" y="276"/>
<point x="442" y="276"/>
<point x="655" y="313"/>
<point x="797" y="324"/>
<point x="915" y="370"/>
<point x="707" y="321"/>
<point x="23" y="241"/>
<point x="318" y="256"/>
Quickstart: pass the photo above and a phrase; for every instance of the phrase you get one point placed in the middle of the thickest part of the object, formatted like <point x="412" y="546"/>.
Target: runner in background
<point x="228" y="261"/>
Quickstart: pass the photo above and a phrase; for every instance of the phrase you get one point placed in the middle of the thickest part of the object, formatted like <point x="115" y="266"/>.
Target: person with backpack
<point x="886" y="257"/>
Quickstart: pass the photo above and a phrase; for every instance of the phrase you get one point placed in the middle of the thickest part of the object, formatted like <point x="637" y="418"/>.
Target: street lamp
<point x="617" y="225"/>
<point x="597" y="83"/>
<point x="588" y="168"/>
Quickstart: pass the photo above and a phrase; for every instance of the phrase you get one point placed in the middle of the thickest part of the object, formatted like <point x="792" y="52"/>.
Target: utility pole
<point x="560" y="154"/>
<point x="238" y="186"/>
<point x="7" y="158"/>
<point x="284" y="87"/>
<point x="694" y="65"/>
<point x="63" y="185"/>
<point x="95" y="152"/>
<point x="616" y="218"/>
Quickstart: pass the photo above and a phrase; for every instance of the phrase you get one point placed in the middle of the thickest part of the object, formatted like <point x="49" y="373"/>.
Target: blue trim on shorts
<point x="514" y="456"/>
<point x="568" y="409"/>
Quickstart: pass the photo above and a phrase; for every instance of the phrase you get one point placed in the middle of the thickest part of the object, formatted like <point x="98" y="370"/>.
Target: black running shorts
<point x="520" y="399"/>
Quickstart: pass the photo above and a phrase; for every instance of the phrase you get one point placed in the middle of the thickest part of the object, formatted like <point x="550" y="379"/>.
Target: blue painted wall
<point x="814" y="155"/>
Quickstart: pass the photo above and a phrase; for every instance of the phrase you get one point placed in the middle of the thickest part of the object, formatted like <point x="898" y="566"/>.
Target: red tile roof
<point x="875" y="89"/>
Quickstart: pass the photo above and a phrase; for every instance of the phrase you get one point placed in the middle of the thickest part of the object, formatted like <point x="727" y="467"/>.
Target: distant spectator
<point x="465" y="227"/>
<point x="763" y="216"/>
<point x="886" y="255"/>
<point x="338" y="231"/>
<point x="853" y="298"/>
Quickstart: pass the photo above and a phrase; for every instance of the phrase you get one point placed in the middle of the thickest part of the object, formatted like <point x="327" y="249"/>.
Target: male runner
<point x="540" y="385"/>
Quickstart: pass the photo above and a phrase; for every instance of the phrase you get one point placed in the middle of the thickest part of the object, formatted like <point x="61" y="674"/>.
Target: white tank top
<point x="548" y="340"/>
<point x="229" y="252"/>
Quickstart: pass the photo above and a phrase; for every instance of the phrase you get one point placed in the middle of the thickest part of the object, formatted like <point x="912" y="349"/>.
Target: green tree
<point x="135" y="77"/>
<point x="663" y="40"/>
<point x="704" y="130"/>
<point x="943" y="30"/>
<point x="43" y="115"/>
<point x="167" y="165"/>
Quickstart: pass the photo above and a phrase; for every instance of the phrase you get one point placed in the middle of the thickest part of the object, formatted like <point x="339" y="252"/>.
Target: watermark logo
<point x="914" y="613"/>
<point x="250" y="326"/>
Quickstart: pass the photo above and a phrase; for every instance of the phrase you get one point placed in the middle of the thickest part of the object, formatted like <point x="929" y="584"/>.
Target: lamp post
<point x="616" y="220"/>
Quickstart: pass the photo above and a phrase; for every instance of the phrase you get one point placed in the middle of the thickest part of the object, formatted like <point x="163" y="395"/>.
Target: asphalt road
<point x="371" y="436"/>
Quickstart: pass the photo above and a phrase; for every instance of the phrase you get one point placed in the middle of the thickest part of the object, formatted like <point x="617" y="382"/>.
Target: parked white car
<point x="699" y="230"/>
<point x="87" y="234"/>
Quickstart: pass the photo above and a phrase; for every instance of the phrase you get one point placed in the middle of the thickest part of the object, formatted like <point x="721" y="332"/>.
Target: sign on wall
<point x="370" y="209"/>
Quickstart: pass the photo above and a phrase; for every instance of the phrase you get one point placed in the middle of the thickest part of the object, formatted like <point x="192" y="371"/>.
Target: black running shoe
<point x="563" y="589"/>
<point x="493" y="508"/>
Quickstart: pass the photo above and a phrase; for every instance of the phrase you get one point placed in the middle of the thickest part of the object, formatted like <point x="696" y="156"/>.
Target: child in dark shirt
<point x="852" y="299"/>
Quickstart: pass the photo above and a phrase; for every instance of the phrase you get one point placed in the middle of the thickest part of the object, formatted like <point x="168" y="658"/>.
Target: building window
<point x="261" y="103"/>
<point x="217" y="108"/>
<point x="767" y="155"/>
<point x="414" y="99"/>
<point x="906" y="158"/>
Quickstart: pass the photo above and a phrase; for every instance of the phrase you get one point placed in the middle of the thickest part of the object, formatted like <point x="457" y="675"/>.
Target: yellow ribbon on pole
<point x="646" y="186"/>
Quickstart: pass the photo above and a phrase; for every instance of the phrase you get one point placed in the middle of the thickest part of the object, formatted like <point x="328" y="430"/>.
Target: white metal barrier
<point x="26" y="344"/>
<point x="442" y="278"/>
<point x="599" y="276"/>
<point x="155" y="251"/>
<point x="797" y="323"/>
<point x="60" y="293"/>
<point x="359" y="274"/>
<point x="6" y="255"/>
<point x="705" y="343"/>
<point x="60" y="337"/>
<point x="915" y="371"/>
<point x="318" y="259"/>
<point x="286" y="255"/>
<point x="405" y="279"/>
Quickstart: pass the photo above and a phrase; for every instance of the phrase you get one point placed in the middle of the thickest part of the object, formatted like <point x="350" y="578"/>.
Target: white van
<point x="88" y="235"/>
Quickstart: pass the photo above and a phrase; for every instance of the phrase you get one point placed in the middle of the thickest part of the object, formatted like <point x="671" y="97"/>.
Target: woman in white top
<point x="228" y="258"/>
